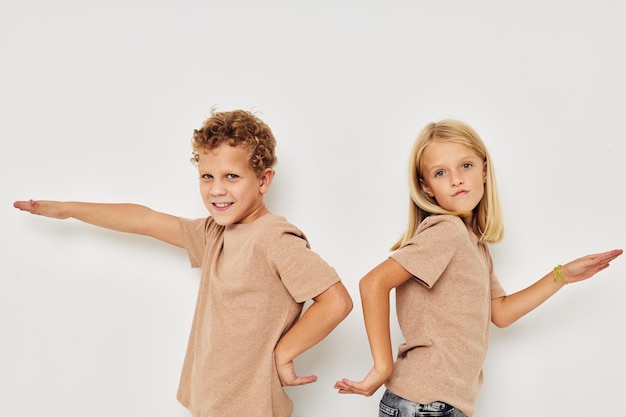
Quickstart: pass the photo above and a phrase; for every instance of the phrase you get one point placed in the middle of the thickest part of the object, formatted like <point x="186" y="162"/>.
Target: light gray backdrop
<point x="99" y="100"/>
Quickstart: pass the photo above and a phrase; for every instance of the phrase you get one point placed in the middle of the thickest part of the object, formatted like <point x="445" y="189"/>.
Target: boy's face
<point x="230" y="188"/>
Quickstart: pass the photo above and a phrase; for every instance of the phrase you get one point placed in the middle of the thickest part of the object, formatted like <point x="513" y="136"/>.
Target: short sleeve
<point x="196" y="235"/>
<point x="429" y="252"/>
<point x="303" y="272"/>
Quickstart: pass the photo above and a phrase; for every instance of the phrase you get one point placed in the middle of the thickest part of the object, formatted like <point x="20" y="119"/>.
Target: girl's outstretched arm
<point x="508" y="309"/>
<point x="375" y="288"/>
<point x="129" y="218"/>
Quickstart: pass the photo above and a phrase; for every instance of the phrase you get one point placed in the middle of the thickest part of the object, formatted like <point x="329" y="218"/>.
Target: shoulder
<point x="442" y="223"/>
<point x="204" y="223"/>
<point x="202" y="226"/>
<point x="269" y="231"/>
<point x="439" y="231"/>
<point x="276" y="225"/>
<point x="282" y="239"/>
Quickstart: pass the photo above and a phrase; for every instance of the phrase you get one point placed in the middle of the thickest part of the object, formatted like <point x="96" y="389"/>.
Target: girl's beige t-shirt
<point x="444" y="314"/>
<point x="255" y="279"/>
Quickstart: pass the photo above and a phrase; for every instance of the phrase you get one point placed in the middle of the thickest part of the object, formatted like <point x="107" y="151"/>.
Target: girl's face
<point x="454" y="175"/>
<point x="230" y="188"/>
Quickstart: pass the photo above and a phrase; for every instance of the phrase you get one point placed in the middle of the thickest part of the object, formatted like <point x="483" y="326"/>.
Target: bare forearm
<point x="315" y="324"/>
<point x="312" y="327"/>
<point x="120" y="217"/>
<point x="375" y="288"/>
<point x="507" y="310"/>
<point x="376" y="307"/>
<point x="129" y="218"/>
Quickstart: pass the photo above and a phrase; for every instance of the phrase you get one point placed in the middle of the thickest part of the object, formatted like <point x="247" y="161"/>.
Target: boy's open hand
<point x="42" y="208"/>
<point x="288" y="377"/>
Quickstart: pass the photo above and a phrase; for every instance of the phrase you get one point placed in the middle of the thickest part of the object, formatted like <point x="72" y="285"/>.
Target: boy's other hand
<point x="288" y="377"/>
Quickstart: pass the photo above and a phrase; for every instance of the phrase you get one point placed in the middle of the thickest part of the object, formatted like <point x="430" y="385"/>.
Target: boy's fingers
<point x="25" y="205"/>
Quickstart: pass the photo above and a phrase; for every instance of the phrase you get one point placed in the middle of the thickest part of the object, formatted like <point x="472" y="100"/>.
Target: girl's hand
<point x="587" y="266"/>
<point x="44" y="208"/>
<point x="288" y="377"/>
<point x="373" y="380"/>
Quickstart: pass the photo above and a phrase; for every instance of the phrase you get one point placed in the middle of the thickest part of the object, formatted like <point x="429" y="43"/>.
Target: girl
<point x="446" y="290"/>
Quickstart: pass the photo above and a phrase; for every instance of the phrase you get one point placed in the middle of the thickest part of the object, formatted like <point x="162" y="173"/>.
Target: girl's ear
<point x="265" y="180"/>
<point x="426" y="188"/>
<point x="485" y="172"/>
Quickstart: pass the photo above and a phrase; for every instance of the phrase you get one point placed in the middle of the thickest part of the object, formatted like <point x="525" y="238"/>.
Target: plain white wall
<point x="98" y="103"/>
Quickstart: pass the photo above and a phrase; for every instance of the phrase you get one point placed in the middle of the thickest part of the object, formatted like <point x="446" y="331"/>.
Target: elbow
<point x="340" y="304"/>
<point x="345" y="306"/>
<point x="501" y="315"/>
<point x="338" y="311"/>
<point x="501" y="320"/>
<point x="501" y="324"/>
<point x="367" y="284"/>
<point x="349" y="306"/>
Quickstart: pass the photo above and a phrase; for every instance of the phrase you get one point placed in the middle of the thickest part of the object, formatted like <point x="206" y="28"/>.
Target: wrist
<point x="281" y="357"/>
<point x="385" y="369"/>
<point x="559" y="277"/>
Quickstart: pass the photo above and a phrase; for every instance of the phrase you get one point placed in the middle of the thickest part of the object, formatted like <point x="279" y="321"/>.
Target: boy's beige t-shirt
<point x="444" y="314"/>
<point x="255" y="279"/>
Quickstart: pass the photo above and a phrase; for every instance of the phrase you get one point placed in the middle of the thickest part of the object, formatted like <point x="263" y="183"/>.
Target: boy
<point x="257" y="271"/>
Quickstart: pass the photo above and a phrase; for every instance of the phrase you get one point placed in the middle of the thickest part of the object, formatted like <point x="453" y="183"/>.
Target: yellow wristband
<point x="558" y="275"/>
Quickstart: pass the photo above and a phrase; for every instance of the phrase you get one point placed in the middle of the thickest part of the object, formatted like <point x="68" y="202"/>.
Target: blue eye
<point x="206" y="176"/>
<point x="439" y="173"/>
<point x="467" y="165"/>
<point x="232" y="176"/>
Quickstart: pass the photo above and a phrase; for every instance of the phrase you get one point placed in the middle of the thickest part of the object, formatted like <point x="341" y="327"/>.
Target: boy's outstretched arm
<point x="327" y="311"/>
<point x="129" y="218"/>
<point x="508" y="309"/>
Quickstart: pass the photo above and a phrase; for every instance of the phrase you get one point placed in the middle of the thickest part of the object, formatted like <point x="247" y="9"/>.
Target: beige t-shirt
<point x="255" y="279"/>
<point x="444" y="314"/>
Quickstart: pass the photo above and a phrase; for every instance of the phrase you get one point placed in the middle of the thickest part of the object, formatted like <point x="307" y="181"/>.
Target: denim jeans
<point x="393" y="406"/>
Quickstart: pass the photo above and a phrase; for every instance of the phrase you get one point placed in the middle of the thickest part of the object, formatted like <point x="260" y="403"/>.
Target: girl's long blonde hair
<point x="487" y="216"/>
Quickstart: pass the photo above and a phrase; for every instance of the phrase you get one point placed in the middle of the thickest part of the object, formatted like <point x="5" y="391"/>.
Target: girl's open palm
<point x="373" y="380"/>
<point x="587" y="266"/>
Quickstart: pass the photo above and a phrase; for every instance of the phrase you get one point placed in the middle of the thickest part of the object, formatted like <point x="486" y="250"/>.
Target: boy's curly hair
<point x="237" y="128"/>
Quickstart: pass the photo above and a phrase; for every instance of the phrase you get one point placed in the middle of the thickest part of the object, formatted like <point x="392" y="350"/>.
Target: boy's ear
<point x="266" y="179"/>
<point x="426" y="188"/>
